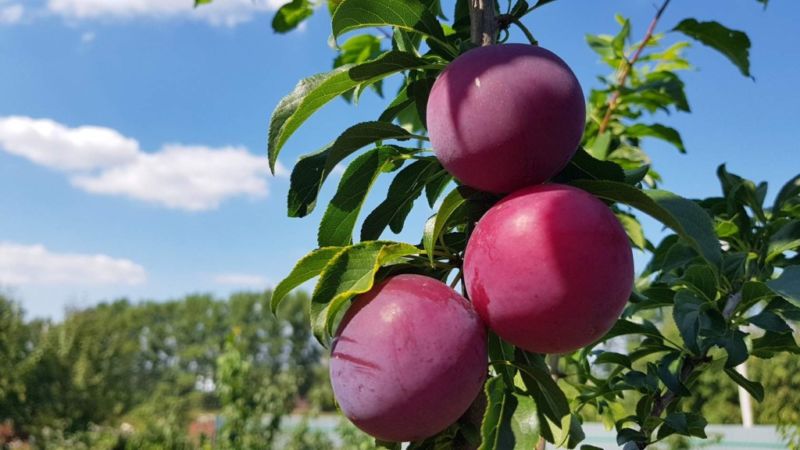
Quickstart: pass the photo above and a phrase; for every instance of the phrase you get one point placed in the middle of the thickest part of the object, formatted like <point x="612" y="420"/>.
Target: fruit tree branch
<point x="483" y="22"/>
<point x="662" y="402"/>
<point x="623" y="76"/>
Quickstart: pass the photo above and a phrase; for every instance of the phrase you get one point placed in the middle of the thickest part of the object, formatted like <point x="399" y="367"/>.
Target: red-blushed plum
<point x="504" y="117"/>
<point x="549" y="268"/>
<point x="408" y="358"/>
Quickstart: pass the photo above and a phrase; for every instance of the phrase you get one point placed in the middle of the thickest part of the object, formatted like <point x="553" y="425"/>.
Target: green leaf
<point x="753" y="387"/>
<point x="435" y="187"/>
<point x="289" y="16"/>
<point x="312" y="93"/>
<point x="309" y="95"/>
<point x="633" y="229"/>
<point x="599" y="148"/>
<point x="358" y="49"/>
<point x="686" y="314"/>
<point x="496" y="430"/>
<point x="658" y="91"/>
<point x="735" y="45"/>
<point x="755" y="291"/>
<point x="571" y="432"/>
<point x="584" y="166"/>
<point x="702" y="280"/>
<point x="336" y="228"/>
<point x="785" y="239"/>
<point x="525" y="424"/>
<point x="686" y="424"/>
<point x="784" y="308"/>
<point x="411" y="15"/>
<point x="613" y="358"/>
<point x="450" y="204"/>
<point x="647" y="382"/>
<point x="741" y="192"/>
<point x="349" y="273"/>
<point x="789" y="190"/>
<point x="420" y="89"/>
<point x="670" y="379"/>
<point x="500" y="350"/>
<point x="787" y="284"/>
<point x="771" y="343"/>
<point x="312" y="170"/>
<point x="769" y="321"/>
<point x="307" y="268"/>
<point x="550" y="399"/>
<point x="735" y="347"/>
<point x="389" y="62"/>
<point x="398" y="105"/>
<point x="658" y="131"/>
<point x="624" y="327"/>
<point x="635" y="176"/>
<point x="685" y="217"/>
<point x="406" y="187"/>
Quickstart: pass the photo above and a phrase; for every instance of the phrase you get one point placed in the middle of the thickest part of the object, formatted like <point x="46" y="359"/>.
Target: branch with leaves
<point x="708" y="291"/>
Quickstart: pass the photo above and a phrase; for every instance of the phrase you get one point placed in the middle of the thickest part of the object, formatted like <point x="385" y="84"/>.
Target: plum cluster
<point x="548" y="268"/>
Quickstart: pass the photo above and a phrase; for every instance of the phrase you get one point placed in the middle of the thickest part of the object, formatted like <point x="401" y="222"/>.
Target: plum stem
<point x="505" y="20"/>
<point x="483" y="22"/>
<point x="628" y="65"/>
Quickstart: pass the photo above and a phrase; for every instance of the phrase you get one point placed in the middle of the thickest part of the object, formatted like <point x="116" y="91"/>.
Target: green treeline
<point x="139" y="375"/>
<point x="136" y="375"/>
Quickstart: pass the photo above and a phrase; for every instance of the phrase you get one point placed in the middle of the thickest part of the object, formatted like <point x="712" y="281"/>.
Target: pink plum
<point x="408" y="359"/>
<point x="549" y="268"/>
<point x="504" y="117"/>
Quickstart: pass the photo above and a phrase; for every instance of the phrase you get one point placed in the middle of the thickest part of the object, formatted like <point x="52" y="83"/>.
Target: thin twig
<point x="457" y="279"/>
<point x="623" y="76"/>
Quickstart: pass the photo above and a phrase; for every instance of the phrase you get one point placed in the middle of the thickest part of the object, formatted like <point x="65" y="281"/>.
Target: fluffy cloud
<point x="34" y="264"/>
<point x="53" y="145"/>
<point x="190" y="178"/>
<point x="11" y="14"/>
<point x="219" y="13"/>
<point x="241" y="279"/>
<point x="103" y="161"/>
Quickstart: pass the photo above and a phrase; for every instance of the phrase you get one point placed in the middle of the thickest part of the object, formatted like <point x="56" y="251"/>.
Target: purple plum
<point x="408" y="358"/>
<point x="549" y="268"/>
<point x="504" y="117"/>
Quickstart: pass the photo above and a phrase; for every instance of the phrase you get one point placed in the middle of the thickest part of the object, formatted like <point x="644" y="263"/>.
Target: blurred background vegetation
<point x="204" y="372"/>
<point x="197" y="372"/>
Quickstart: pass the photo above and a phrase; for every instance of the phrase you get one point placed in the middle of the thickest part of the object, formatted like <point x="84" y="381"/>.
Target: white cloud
<point x="241" y="279"/>
<point x="53" y="145"/>
<point x="102" y="161"/>
<point x="219" y="13"/>
<point x="88" y="37"/>
<point x="190" y="178"/>
<point x="36" y="265"/>
<point x="11" y="14"/>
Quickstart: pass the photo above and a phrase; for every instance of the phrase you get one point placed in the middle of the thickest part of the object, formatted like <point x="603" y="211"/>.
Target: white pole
<point x="745" y="403"/>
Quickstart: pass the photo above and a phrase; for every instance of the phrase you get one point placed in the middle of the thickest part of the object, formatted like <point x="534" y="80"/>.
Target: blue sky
<point x="132" y="138"/>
